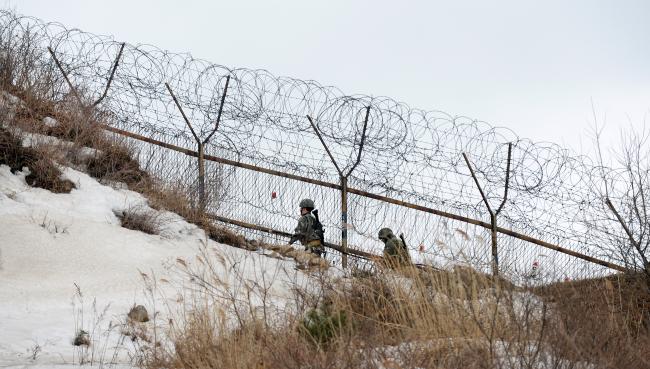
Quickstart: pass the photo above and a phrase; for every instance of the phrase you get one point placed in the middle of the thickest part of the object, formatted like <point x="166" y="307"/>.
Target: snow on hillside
<point x="52" y="243"/>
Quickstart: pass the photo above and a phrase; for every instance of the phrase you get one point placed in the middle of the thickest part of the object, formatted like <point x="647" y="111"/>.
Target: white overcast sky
<point x="531" y="66"/>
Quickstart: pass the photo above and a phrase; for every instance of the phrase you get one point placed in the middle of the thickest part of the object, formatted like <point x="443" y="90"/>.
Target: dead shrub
<point x="223" y="235"/>
<point x="172" y="199"/>
<point x="139" y="219"/>
<point x="199" y="345"/>
<point x="23" y="73"/>
<point x="33" y="109"/>
<point x="204" y="342"/>
<point x="605" y="321"/>
<point x="138" y="313"/>
<point x="74" y="126"/>
<point x="12" y="152"/>
<point x="82" y="338"/>
<point x="115" y="162"/>
<point x="386" y="320"/>
<point x="44" y="172"/>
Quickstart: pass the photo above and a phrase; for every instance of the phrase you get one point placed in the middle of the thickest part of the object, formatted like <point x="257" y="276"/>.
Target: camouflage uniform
<point x="395" y="252"/>
<point x="305" y="232"/>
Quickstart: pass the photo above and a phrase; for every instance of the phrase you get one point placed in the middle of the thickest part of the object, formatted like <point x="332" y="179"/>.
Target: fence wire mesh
<point x="405" y="153"/>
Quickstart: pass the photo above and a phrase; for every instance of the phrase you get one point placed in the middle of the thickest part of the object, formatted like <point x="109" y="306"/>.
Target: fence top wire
<point x="408" y="153"/>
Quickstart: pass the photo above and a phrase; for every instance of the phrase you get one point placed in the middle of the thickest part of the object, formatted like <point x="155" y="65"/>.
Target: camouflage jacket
<point x="304" y="232"/>
<point x="394" y="249"/>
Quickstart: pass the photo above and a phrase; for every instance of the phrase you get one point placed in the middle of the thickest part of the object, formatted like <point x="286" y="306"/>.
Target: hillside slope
<point x="52" y="244"/>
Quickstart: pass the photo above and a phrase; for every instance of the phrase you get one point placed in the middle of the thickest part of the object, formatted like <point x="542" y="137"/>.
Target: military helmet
<point x="384" y="233"/>
<point x="307" y="203"/>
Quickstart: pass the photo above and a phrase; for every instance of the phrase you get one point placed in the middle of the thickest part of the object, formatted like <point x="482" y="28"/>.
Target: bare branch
<point x="635" y="243"/>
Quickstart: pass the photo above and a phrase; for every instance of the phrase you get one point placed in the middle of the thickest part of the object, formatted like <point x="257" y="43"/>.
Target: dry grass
<point x="114" y="160"/>
<point x="223" y="235"/>
<point x="140" y="219"/>
<point x="603" y="320"/>
<point x="412" y="318"/>
<point x="407" y="319"/>
<point x="43" y="171"/>
<point x="12" y="152"/>
<point x="389" y="318"/>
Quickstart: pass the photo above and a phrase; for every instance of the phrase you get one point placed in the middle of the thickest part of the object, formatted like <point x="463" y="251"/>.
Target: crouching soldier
<point x="309" y="230"/>
<point x="395" y="251"/>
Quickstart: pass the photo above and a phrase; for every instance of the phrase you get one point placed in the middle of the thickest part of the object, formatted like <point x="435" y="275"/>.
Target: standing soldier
<point x="309" y="230"/>
<point x="395" y="251"/>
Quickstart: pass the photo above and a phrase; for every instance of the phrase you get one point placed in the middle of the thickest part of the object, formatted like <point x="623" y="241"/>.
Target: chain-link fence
<point x="457" y="188"/>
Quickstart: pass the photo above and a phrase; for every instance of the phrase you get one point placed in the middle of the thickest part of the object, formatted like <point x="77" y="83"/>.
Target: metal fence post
<point x="202" y="199"/>
<point x="201" y="143"/>
<point x="344" y="183"/>
<point x="388" y="200"/>
<point x="344" y="221"/>
<point x="73" y="90"/>
<point x="493" y="214"/>
<point x="495" y="252"/>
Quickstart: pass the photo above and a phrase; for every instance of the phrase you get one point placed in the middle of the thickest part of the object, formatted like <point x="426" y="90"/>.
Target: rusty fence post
<point x="201" y="143"/>
<point x="493" y="214"/>
<point x="196" y="138"/>
<point x="202" y="196"/>
<point x="344" y="184"/>
<point x="344" y="221"/>
<point x="74" y="90"/>
<point x="110" y="78"/>
<point x="86" y="110"/>
<point x="65" y="76"/>
<point x="271" y="172"/>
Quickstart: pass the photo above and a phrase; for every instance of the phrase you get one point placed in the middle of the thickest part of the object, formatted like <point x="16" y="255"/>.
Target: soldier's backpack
<point x="318" y="227"/>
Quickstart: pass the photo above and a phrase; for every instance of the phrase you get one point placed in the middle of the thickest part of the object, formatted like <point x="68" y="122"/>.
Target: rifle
<point x="406" y="249"/>
<point x="321" y="251"/>
<point x="401" y="236"/>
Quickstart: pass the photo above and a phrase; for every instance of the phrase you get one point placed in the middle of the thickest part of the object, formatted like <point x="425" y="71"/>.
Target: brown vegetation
<point x="138" y="219"/>
<point x="602" y="320"/>
<point x="43" y="171"/>
<point x="414" y="318"/>
<point x="390" y="318"/>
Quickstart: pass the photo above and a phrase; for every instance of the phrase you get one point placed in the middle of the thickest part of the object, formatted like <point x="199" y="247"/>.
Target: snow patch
<point x="50" y="122"/>
<point x="52" y="243"/>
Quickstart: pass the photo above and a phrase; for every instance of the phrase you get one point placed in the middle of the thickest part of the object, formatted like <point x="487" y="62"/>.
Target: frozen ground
<point x="67" y="264"/>
<point x="53" y="246"/>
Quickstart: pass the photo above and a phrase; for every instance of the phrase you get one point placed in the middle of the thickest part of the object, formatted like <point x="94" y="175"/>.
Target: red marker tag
<point x="535" y="264"/>
<point x="274" y="195"/>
